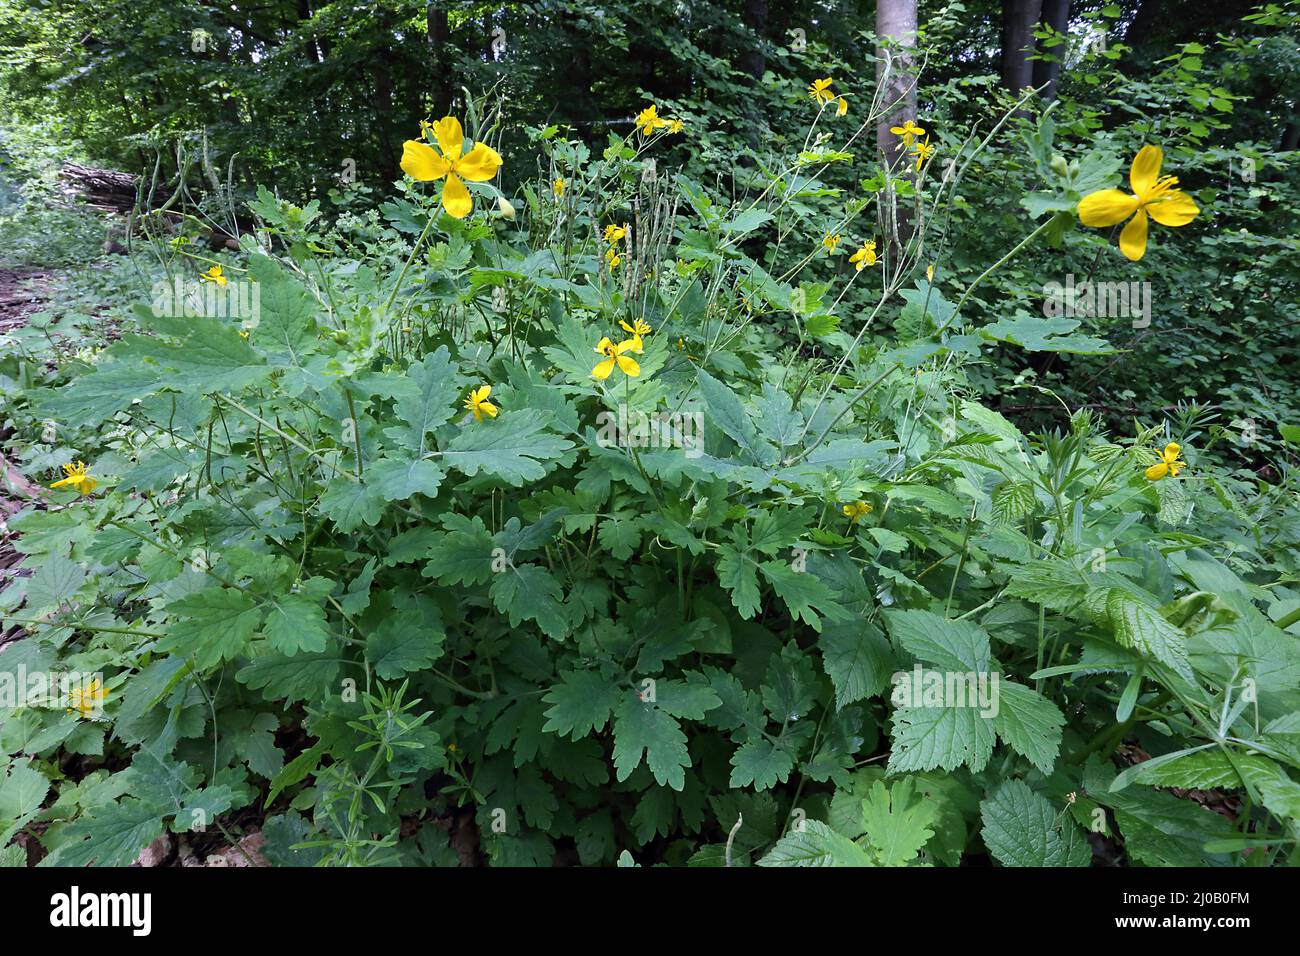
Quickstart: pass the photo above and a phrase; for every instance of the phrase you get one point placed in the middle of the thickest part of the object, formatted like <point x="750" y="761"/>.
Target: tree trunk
<point x="896" y="28"/>
<point x="1291" y="135"/>
<point x="753" y="63"/>
<point x="1056" y="14"/>
<point x="441" y="82"/>
<point x="1018" y="20"/>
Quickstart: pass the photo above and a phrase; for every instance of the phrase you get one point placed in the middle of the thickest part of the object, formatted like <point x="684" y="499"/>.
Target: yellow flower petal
<point x="604" y="346"/>
<point x="1156" y="472"/>
<point x="488" y="408"/>
<point x="480" y="164"/>
<point x="450" y="137"/>
<point x="422" y="162"/>
<point x="1171" y="452"/>
<point x="628" y="365"/>
<point x="1106" y="207"/>
<point x="1145" y="169"/>
<point x="455" y="197"/>
<point x="1177" y="210"/>
<point x="1133" y="240"/>
<point x="603" y="369"/>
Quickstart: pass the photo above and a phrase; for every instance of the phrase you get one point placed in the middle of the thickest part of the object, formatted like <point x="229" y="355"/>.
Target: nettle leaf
<point x="898" y="821"/>
<point x="424" y="399"/>
<point x="1141" y="627"/>
<point x="511" y="447"/>
<point x="948" y="645"/>
<point x="947" y="737"/>
<point x="580" y="703"/>
<point x="22" y="791"/>
<point x="530" y="593"/>
<point x="214" y="624"/>
<point x="1022" y="829"/>
<point x="816" y="844"/>
<point x="403" y="643"/>
<point x="1029" y="723"/>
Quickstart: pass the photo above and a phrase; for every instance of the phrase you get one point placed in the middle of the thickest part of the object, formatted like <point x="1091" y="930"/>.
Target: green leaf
<point x="738" y="573"/>
<point x="1035" y="333"/>
<point x="424" y="399"/>
<point x="760" y="763"/>
<point x="296" y="622"/>
<point x="815" y="844"/>
<point x="641" y="728"/>
<point x="858" y="660"/>
<point x="109" y="835"/>
<point x="22" y="790"/>
<point x="804" y="594"/>
<point x="1141" y="627"/>
<point x="463" y="555"/>
<point x="403" y="643"/>
<point x="898" y="821"/>
<point x="215" y="625"/>
<point x="99" y="395"/>
<point x="301" y="677"/>
<point x="511" y="447"/>
<point x="1022" y="829"/>
<point x="1029" y="723"/>
<point x="54" y="582"/>
<point x="947" y="737"/>
<point x="531" y="593"/>
<point x="724" y="409"/>
<point x="580" y="703"/>
<point x="393" y="479"/>
<point x="948" y="645"/>
<point x="350" y="504"/>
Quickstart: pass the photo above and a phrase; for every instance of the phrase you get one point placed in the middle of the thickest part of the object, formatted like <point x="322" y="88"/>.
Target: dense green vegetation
<point x="738" y="481"/>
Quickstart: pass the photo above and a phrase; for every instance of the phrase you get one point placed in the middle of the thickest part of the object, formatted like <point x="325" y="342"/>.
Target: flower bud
<point x="505" y="208"/>
<point x="1058" y="164"/>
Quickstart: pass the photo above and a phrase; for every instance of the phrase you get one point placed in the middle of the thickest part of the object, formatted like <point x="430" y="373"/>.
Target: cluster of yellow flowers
<point x="613" y="236"/>
<point x="821" y="94"/>
<point x="864" y="256"/>
<point x="649" y="120"/>
<point x="615" y="354"/>
<point x="558" y="185"/>
<point x="911" y="134"/>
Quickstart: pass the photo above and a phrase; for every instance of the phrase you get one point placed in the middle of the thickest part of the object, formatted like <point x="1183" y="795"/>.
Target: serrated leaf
<point x="1029" y="723"/>
<point x="897" y="821"/>
<point x="580" y="703"/>
<point x="403" y="643"/>
<point x="760" y="763"/>
<point x="1022" y="829"/>
<point x="531" y="593"/>
<point x="512" y="447"/>
<point x="815" y="844"/>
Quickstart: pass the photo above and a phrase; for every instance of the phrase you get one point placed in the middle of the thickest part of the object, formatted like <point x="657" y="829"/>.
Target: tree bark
<point x="1018" y="20"/>
<point x="1056" y="14"/>
<point x="896" y="27"/>
<point x="441" y="83"/>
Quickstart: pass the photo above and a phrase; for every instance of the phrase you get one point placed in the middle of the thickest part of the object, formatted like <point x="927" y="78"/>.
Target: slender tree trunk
<point x="1056" y="14"/>
<point x="896" y="32"/>
<point x="1018" y="20"/>
<point x="753" y="63"/>
<point x="441" y="83"/>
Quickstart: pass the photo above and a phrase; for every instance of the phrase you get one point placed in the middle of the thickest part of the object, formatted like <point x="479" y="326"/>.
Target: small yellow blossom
<point x="676" y="126"/>
<point x="77" y="478"/>
<point x="613" y="258"/>
<point x="649" y="120"/>
<point x="215" y="275"/>
<point x="1152" y="196"/>
<point x="929" y="273"/>
<point x="909" y="131"/>
<point x="856" y="511"/>
<point x="830" y="241"/>
<point x="820" y="91"/>
<point x="614" y="357"/>
<point x="866" y="256"/>
<point x="88" y="700"/>
<point x="477" y="403"/>
<point x="615" y="234"/>
<point x="426" y="164"/>
<point x="1168" y="464"/>
<point x="922" y="151"/>
<point x="557" y="186"/>
<point x="638" y="327"/>
<point x="841" y="106"/>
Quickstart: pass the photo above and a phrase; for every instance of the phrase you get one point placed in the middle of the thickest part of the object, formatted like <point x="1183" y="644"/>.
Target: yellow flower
<point x="830" y="241"/>
<point x="614" y="356"/>
<point x="426" y="164"/>
<point x="557" y="186"/>
<point x="649" y="120"/>
<point x="243" y="334"/>
<point x="1168" y="463"/>
<point x="820" y="91"/>
<point x="841" y="107"/>
<point x="88" y="700"/>
<point x="613" y="258"/>
<point x="676" y="126"/>
<point x="638" y="328"/>
<point x="1152" y="196"/>
<point x="856" y="511"/>
<point x="909" y="131"/>
<point x="477" y="403"/>
<point x="866" y="256"/>
<point x="77" y="478"/>
<point x="929" y="273"/>
<point x="615" y="234"/>
<point x="215" y="275"/>
<point x="922" y="151"/>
